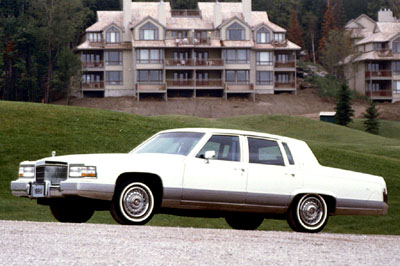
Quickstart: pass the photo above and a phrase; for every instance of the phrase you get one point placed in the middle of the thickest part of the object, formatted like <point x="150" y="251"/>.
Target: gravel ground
<point x="33" y="243"/>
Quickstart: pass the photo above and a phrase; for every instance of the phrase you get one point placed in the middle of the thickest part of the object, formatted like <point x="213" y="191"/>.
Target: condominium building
<point x="218" y="49"/>
<point x="374" y="71"/>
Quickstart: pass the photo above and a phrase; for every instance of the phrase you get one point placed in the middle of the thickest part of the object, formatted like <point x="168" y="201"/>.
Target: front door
<point x="218" y="181"/>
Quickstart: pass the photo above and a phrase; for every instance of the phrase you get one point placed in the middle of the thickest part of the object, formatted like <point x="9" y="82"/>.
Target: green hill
<point x="31" y="131"/>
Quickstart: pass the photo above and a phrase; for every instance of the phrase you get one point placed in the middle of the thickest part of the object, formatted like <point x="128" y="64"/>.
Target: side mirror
<point x="209" y="155"/>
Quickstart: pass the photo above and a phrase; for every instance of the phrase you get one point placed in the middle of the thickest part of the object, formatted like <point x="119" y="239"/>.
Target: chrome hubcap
<point x="311" y="211"/>
<point x="136" y="202"/>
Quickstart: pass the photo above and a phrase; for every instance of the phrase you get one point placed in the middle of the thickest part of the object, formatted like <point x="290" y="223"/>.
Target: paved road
<point x="27" y="243"/>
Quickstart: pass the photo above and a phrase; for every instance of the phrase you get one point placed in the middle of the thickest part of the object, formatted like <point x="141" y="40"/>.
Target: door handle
<point x="290" y="174"/>
<point x="239" y="169"/>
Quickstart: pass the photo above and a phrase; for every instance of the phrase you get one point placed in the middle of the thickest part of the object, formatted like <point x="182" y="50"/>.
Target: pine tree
<point x="339" y="14"/>
<point x="295" y="32"/>
<point x="328" y="24"/>
<point x="371" y="124"/>
<point x="344" y="112"/>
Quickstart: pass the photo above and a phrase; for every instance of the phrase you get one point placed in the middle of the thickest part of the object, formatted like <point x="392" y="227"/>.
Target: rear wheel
<point x="133" y="203"/>
<point x="308" y="214"/>
<point x="244" y="221"/>
<point x="71" y="210"/>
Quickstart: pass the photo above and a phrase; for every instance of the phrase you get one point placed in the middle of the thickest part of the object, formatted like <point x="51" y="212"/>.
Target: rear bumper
<point x="82" y="188"/>
<point x="361" y="207"/>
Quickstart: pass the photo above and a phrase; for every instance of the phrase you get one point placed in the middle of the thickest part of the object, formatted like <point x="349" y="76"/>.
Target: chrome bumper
<point x="81" y="188"/>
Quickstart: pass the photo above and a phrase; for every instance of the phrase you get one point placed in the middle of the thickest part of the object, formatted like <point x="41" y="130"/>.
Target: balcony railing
<point x="194" y="62"/>
<point x="286" y="85"/>
<point x="97" y="43"/>
<point x="149" y="61"/>
<point x="209" y="83"/>
<point x="288" y="64"/>
<point x="379" y="93"/>
<point x="239" y="87"/>
<point x="99" y="64"/>
<point x="378" y="74"/>
<point x="150" y="87"/>
<point x="185" y="13"/>
<point x="93" y="85"/>
<point x="180" y="83"/>
<point x="385" y="53"/>
<point x="190" y="41"/>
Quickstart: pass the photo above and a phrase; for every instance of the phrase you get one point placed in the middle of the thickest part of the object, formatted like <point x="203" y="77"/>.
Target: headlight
<point x="82" y="171"/>
<point x="26" y="171"/>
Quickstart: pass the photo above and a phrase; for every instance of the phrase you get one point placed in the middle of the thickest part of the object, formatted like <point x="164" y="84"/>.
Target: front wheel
<point x="71" y="210"/>
<point x="308" y="214"/>
<point x="133" y="203"/>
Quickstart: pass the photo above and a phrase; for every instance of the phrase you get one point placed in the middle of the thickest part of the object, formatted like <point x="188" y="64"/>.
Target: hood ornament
<point x="53" y="153"/>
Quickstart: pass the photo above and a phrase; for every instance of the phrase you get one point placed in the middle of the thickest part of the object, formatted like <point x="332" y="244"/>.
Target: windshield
<point x="172" y="143"/>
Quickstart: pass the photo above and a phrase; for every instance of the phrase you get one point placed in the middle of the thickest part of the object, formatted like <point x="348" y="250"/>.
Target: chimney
<point x="127" y="13"/>
<point x="386" y="15"/>
<point x="162" y="16"/>
<point x="246" y="9"/>
<point x="217" y="14"/>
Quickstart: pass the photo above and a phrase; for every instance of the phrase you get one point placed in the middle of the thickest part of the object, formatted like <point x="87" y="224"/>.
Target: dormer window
<point x="263" y="36"/>
<point x="148" y="32"/>
<point x="113" y="35"/>
<point x="95" y="37"/>
<point x="235" y="32"/>
<point x="279" y="37"/>
<point x="396" y="46"/>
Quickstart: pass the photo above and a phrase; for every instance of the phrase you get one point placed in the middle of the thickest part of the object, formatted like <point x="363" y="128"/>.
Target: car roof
<point x="231" y="131"/>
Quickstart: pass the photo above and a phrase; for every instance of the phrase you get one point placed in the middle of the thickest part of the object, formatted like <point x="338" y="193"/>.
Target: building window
<point x="179" y="34"/>
<point x="112" y="35"/>
<point x="396" y="67"/>
<point x="396" y="86"/>
<point x="113" y="57"/>
<point x="373" y="86"/>
<point x="148" y="32"/>
<point x="150" y="76"/>
<point x="237" y="76"/>
<point x="264" y="78"/>
<point x="282" y="78"/>
<point x="372" y="67"/>
<point x="114" y="77"/>
<point x="279" y="37"/>
<point x="264" y="58"/>
<point x="95" y="37"/>
<point x="396" y="46"/>
<point x="282" y="58"/>
<point x="237" y="56"/>
<point x="235" y="32"/>
<point x="263" y="36"/>
<point x="91" y="59"/>
<point x="91" y="78"/>
<point x="149" y="56"/>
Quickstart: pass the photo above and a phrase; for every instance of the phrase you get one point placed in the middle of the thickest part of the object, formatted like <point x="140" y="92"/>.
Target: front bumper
<point x="82" y="188"/>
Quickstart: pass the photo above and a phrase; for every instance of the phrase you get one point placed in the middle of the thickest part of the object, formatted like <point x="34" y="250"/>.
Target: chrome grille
<point x="53" y="172"/>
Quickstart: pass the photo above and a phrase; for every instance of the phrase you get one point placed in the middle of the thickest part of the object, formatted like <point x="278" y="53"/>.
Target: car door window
<point x="288" y="153"/>
<point x="227" y="148"/>
<point x="262" y="151"/>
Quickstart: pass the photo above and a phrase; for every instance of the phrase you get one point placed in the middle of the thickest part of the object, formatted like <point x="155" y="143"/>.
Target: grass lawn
<point x="31" y="131"/>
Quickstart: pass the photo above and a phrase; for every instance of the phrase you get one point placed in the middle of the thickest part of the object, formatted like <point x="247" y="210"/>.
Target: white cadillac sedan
<point x="240" y="175"/>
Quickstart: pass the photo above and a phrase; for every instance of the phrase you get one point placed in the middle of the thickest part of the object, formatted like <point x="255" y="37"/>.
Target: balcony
<point x="94" y="85"/>
<point x="378" y="74"/>
<point x="180" y="83"/>
<point x="99" y="64"/>
<point x="379" y="93"/>
<point x="211" y="83"/>
<point x="285" y="85"/>
<point x="288" y="64"/>
<point x="194" y="62"/>
<point x="385" y="53"/>
<point x="191" y="41"/>
<point x="185" y="13"/>
<point x="97" y="43"/>
<point x="239" y="87"/>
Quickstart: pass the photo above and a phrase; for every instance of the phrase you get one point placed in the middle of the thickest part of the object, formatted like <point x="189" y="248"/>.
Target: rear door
<point x="218" y="181"/>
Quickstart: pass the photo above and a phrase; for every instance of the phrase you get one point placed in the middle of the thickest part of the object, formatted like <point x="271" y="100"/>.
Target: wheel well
<point x="151" y="180"/>
<point x="330" y="201"/>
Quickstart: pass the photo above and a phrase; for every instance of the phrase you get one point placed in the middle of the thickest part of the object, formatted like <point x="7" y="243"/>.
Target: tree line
<point x="38" y="37"/>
